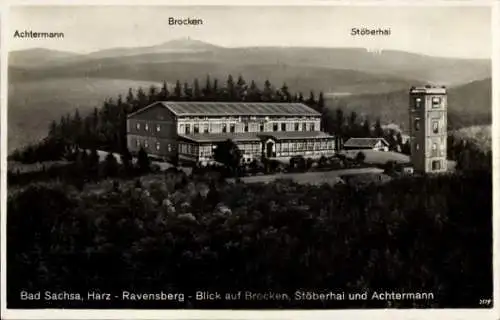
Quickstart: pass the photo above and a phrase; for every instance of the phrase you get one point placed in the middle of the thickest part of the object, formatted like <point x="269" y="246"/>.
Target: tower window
<point x="246" y="127"/>
<point x="283" y="127"/>
<point x="224" y="127"/>
<point x="188" y="129"/>
<point x="196" y="128"/>
<point x="436" y="102"/>
<point x="275" y="127"/>
<point x="304" y="127"/>
<point x="231" y="127"/>
<point x="205" y="128"/>
<point x="436" y="165"/>
<point x="261" y="127"/>
<point x="417" y="124"/>
<point x="418" y="103"/>
<point x="435" y="126"/>
<point x="296" y="127"/>
<point x="435" y="150"/>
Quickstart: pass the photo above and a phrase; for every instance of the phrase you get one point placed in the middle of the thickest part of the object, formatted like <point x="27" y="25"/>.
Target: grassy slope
<point x="33" y="105"/>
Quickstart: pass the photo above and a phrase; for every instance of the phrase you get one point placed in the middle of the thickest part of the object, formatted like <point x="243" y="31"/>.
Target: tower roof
<point x="428" y="90"/>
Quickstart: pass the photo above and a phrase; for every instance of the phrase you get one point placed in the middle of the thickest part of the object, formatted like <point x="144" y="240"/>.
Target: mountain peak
<point x="187" y="43"/>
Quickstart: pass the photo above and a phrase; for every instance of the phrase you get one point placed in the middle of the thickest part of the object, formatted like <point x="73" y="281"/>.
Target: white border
<point x="374" y="314"/>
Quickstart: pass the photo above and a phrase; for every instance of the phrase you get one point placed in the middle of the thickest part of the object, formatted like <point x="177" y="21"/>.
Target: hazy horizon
<point x="431" y="31"/>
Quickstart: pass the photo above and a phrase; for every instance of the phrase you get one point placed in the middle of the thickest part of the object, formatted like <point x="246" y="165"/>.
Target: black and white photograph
<point x="249" y="157"/>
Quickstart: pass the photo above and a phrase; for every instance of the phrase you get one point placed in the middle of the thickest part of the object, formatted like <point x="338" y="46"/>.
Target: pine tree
<point x="177" y="91"/>
<point x="241" y="88"/>
<point x="130" y="99"/>
<point x="196" y="90"/>
<point x="53" y="129"/>
<point x="353" y="125"/>
<point x="311" y="101"/>
<point x="253" y="94"/>
<point x="267" y="93"/>
<point x="378" y="131"/>
<point x="301" y="97"/>
<point x="207" y="91"/>
<point x="339" y="124"/>
<point x="142" y="99"/>
<point x="152" y="94"/>
<point x="215" y="90"/>
<point x="188" y="92"/>
<point x="164" y="94"/>
<point x="230" y="89"/>
<point x="366" y="130"/>
<point x="285" y="93"/>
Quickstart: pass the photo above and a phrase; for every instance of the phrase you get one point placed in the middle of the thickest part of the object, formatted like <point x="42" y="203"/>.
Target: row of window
<point x="157" y="146"/>
<point x="435" y="125"/>
<point x="435" y="151"/>
<point x="304" y="146"/>
<point x="146" y="127"/>
<point x="435" y="102"/>
<point x="224" y="127"/>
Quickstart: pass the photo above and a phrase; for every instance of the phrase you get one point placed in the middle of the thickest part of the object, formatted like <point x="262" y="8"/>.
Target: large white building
<point x="190" y="130"/>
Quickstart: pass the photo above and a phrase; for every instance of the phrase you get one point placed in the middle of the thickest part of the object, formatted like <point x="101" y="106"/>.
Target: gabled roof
<point x="364" y="142"/>
<point x="192" y="108"/>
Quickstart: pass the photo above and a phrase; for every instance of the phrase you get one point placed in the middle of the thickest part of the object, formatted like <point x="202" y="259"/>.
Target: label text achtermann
<point x="37" y="35"/>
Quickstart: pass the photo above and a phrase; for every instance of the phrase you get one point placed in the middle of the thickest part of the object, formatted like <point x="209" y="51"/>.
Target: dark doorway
<point x="269" y="149"/>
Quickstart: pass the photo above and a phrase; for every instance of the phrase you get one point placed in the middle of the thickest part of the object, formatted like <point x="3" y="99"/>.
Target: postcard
<point x="229" y="161"/>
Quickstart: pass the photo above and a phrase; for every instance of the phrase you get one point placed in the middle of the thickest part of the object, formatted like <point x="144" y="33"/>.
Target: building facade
<point x="377" y="144"/>
<point x="428" y="129"/>
<point x="190" y="131"/>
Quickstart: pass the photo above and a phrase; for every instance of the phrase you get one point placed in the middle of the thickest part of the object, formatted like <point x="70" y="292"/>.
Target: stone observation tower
<point x="428" y="128"/>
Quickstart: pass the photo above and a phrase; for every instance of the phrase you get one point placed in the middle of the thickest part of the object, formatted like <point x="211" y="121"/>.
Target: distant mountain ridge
<point x="412" y="66"/>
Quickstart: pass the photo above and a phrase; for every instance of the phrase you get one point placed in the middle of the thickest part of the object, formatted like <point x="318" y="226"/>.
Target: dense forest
<point x="105" y="127"/>
<point x="186" y="233"/>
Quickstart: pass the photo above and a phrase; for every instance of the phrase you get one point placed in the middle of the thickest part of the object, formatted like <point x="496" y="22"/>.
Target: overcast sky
<point x="439" y="31"/>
